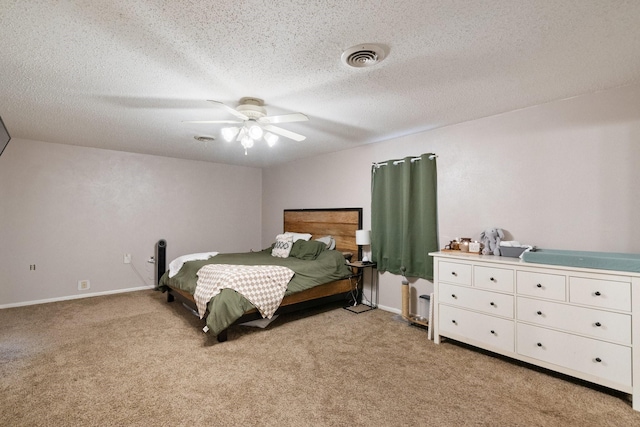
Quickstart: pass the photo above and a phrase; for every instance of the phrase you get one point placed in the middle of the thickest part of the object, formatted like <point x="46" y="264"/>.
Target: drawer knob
<point x="539" y="313"/>
<point x="597" y="293"/>
<point x="598" y="324"/>
<point x="539" y="344"/>
<point x="538" y="285"/>
<point x="454" y="296"/>
<point x="597" y="359"/>
<point x="492" y="279"/>
<point x="493" y="332"/>
<point x="454" y="322"/>
<point x="492" y="304"/>
<point x="453" y="273"/>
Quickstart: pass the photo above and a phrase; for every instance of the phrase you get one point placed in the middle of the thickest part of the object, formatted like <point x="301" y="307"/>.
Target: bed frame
<point x="340" y="223"/>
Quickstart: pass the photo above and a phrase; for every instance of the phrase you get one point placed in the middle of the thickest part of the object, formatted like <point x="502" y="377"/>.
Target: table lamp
<point x="363" y="238"/>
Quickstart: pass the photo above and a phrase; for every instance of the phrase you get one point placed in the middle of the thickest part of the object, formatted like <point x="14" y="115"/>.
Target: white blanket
<point x="176" y="264"/>
<point x="263" y="285"/>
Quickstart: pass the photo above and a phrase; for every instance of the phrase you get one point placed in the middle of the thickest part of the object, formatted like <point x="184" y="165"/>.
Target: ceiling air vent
<point x="363" y="55"/>
<point x="204" y="138"/>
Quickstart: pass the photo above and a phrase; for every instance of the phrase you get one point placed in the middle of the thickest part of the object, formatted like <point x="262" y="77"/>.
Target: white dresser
<point x="577" y="321"/>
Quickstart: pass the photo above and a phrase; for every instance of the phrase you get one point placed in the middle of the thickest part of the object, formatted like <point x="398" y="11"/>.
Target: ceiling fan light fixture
<point x="229" y="133"/>
<point x="255" y="132"/>
<point x="270" y="138"/>
<point x="247" y="142"/>
<point x="253" y="124"/>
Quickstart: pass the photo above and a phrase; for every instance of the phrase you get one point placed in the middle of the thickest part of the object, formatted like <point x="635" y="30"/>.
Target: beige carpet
<point x="133" y="359"/>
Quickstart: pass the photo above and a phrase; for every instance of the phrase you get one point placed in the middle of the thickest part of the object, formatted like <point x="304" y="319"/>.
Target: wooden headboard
<point x="341" y="223"/>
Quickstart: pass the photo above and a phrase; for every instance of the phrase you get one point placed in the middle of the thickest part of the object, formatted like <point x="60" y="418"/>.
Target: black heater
<point x="4" y="136"/>
<point x="161" y="259"/>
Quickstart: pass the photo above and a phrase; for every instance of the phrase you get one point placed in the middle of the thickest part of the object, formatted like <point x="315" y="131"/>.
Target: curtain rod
<point x="413" y="159"/>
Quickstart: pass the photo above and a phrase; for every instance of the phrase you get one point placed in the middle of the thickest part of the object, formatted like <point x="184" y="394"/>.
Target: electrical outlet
<point x="127" y="259"/>
<point x="83" y="285"/>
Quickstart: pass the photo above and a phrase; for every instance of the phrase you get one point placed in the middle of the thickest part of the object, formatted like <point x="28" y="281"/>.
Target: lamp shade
<point x="255" y="132"/>
<point x="363" y="237"/>
<point x="270" y="138"/>
<point x="229" y="133"/>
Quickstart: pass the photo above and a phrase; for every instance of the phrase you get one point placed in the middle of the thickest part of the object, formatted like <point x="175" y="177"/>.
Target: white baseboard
<point x="119" y="291"/>
<point x="389" y="309"/>
<point x="71" y="297"/>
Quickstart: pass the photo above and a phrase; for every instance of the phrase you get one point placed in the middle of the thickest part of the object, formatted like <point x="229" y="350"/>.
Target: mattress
<point x="599" y="260"/>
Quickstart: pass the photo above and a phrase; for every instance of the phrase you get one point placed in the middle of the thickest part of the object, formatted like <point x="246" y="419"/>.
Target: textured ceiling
<point x="125" y="74"/>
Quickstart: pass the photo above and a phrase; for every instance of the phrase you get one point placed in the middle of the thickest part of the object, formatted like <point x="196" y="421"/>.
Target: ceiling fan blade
<point x="213" y="121"/>
<point x="233" y="111"/>
<point x="284" y="132"/>
<point x="284" y="118"/>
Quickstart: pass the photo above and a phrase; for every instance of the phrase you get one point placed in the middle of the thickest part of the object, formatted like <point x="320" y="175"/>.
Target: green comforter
<point x="229" y="306"/>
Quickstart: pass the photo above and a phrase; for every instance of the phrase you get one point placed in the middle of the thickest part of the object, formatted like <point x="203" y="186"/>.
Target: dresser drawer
<point x="586" y="321"/>
<point x="600" y="293"/>
<point x="477" y="299"/>
<point x="454" y="273"/>
<point x="497" y="279"/>
<point x="541" y="285"/>
<point x="611" y="362"/>
<point x="491" y="331"/>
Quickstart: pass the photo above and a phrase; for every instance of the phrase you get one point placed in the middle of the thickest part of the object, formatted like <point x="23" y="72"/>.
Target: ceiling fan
<point x="253" y="123"/>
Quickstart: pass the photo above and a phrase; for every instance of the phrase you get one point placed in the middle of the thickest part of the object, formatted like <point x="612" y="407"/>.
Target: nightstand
<point x="361" y="266"/>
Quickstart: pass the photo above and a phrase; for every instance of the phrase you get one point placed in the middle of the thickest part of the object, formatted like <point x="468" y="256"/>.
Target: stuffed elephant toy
<point x="491" y="239"/>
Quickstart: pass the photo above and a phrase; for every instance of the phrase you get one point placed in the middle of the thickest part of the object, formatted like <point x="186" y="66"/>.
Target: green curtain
<point x="404" y="215"/>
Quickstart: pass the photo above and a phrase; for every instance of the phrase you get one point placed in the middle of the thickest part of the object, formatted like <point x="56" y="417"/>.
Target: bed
<point x="309" y="286"/>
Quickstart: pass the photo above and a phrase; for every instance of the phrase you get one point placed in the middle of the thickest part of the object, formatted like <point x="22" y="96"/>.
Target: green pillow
<point x="307" y="250"/>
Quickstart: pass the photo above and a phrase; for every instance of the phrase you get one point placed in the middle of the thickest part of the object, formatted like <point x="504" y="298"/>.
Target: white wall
<point x="560" y="175"/>
<point x="74" y="212"/>
<point x="563" y="175"/>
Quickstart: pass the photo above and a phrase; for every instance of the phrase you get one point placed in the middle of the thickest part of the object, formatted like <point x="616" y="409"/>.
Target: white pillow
<point x="283" y="245"/>
<point x="299" y="236"/>
<point x="328" y="240"/>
